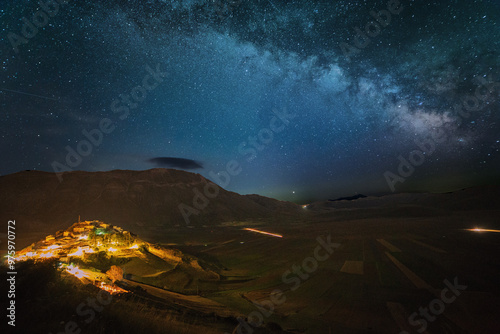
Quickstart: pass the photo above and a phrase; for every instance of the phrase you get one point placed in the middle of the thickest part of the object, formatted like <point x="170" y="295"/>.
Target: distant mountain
<point x="273" y="204"/>
<point x="139" y="201"/>
<point x="470" y="199"/>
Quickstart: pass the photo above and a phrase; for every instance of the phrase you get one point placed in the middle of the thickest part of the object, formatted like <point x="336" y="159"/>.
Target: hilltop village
<point x="78" y="242"/>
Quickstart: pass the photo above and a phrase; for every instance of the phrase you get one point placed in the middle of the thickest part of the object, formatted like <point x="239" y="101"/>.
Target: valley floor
<point x="332" y="274"/>
<point x="426" y="274"/>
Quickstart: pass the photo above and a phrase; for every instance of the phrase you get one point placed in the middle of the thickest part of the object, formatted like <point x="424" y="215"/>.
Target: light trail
<point x="262" y="232"/>
<point x="481" y="230"/>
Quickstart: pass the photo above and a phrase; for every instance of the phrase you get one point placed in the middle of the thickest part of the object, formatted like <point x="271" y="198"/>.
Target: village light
<point x="111" y="289"/>
<point x="75" y="271"/>
<point x="78" y="252"/>
<point x="46" y="255"/>
<point x="19" y="258"/>
<point x="77" y="245"/>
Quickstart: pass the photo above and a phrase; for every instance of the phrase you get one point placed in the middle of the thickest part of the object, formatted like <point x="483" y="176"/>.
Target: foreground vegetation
<point x="47" y="302"/>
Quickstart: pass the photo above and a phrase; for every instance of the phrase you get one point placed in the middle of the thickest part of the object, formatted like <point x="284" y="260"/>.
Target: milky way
<point x="312" y="99"/>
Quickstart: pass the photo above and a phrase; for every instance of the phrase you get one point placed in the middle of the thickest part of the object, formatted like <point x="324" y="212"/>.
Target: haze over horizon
<point x="299" y="103"/>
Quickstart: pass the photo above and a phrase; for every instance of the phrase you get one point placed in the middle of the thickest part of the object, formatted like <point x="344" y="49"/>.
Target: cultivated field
<point x="383" y="271"/>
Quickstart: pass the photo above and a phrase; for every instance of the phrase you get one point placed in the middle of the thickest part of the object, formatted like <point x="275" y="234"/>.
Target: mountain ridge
<point x="136" y="200"/>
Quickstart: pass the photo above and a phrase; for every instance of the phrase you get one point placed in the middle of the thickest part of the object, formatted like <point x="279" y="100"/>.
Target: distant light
<point x="83" y="237"/>
<point x="53" y="247"/>
<point x="481" y="230"/>
<point x="111" y="249"/>
<point x="262" y="232"/>
<point x="134" y="246"/>
<point x="305" y="206"/>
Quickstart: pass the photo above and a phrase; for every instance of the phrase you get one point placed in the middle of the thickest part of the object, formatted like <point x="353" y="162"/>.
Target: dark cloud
<point x="176" y="163"/>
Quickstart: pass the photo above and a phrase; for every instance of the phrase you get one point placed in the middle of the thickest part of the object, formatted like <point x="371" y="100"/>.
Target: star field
<point x="350" y="89"/>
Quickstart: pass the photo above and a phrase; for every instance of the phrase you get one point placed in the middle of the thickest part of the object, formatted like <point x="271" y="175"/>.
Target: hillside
<point x="142" y="201"/>
<point x="96" y="246"/>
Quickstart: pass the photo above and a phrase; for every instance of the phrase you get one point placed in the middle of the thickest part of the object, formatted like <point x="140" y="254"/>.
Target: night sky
<point x="312" y="99"/>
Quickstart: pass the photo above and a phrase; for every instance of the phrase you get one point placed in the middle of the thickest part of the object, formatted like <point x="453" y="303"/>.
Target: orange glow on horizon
<point x="262" y="232"/>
